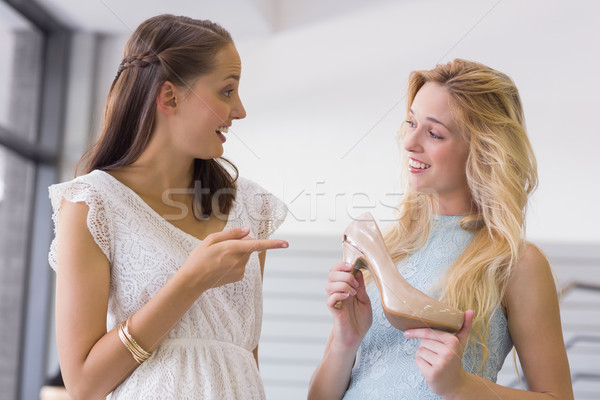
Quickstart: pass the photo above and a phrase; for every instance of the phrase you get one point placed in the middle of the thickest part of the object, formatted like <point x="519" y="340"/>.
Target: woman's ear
<point x="167" y="98"/>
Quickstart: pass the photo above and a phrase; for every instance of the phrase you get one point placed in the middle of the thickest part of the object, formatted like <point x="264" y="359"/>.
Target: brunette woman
<point x="156" y="236"/>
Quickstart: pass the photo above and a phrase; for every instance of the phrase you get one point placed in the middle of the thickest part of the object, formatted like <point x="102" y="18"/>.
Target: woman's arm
<point x="93" y="361"/>
<point x="350" y="324"/>
<point x="332" y="376"/>
<point x="534" y="324"/>
<point x="262" y="256"/>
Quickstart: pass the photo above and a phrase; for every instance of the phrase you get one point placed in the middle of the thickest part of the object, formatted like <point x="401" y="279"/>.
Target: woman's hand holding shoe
<point x="354" y="318"/>
<point x="439" y="357"/>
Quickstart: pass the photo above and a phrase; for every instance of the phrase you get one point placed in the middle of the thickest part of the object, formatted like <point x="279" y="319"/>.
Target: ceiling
<point x="241" y="17"/>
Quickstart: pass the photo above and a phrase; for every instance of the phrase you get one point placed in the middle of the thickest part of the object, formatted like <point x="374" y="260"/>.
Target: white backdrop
<point x="325" y="99"/>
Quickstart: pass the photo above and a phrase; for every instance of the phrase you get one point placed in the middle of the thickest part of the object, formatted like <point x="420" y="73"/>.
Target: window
<point x="20" y="74"/>
<point x="20" y="77"/>
<point x="32" y="75"/>
<point x="15" y="214"/>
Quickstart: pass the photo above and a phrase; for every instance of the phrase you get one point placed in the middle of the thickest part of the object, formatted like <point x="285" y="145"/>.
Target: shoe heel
<point x="351" y="256"/>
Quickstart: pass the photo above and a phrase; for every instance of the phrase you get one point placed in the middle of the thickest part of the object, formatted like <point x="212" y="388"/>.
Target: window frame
<point x="45" y="153"/>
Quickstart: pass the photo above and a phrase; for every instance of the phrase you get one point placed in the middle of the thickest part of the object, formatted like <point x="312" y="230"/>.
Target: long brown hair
<point x="501" y="173"/>
<point x="163" y="48"/>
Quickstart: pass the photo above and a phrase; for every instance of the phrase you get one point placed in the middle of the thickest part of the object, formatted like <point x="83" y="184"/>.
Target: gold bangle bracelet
<point x="140" y="355"/>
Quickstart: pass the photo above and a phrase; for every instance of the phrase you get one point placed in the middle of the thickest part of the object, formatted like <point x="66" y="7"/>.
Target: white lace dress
<point x="208" y="354"/>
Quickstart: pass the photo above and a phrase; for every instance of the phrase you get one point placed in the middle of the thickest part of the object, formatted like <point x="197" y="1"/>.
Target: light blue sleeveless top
<point x="385" y="366"/>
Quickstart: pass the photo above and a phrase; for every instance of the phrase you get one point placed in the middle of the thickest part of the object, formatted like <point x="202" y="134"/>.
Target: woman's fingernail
<point x="284" y="245"/>
<point x="245" y="229"/>
<point x="353" y="292"/>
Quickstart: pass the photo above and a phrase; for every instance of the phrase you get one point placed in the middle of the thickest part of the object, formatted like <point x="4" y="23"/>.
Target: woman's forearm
<point x="331" y="378"/>
<point x="109" y="362"/>
<point x="475" y="387"/>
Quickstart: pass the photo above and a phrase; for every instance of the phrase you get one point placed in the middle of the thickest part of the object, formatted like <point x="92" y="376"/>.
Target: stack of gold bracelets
<point x="140" y="355"/>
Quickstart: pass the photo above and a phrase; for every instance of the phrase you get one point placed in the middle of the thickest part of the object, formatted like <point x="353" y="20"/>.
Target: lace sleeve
<point x="266" y="211"/>
<point x="97" y="222"/>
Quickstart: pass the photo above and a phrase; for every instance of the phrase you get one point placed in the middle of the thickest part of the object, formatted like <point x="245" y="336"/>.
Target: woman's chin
<point x="421" y="188"/>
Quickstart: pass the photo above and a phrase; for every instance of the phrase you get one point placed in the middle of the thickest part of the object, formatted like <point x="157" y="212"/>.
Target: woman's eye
<point x="433" y="135"/>
<point x="227" y="93"/>
<point x="411" y="124"/>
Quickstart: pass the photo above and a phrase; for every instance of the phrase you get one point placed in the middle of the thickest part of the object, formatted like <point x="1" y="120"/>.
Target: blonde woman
<point x="460" y="237"/>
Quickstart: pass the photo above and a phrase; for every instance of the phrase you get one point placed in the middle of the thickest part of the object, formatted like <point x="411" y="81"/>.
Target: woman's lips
<point x="416" y="166"/>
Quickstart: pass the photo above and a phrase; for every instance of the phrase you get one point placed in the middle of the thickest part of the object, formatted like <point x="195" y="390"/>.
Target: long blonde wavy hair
<point x="501" y="173"/>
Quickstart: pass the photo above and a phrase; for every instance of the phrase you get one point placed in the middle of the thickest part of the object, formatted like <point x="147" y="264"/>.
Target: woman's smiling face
<point x="206" y="112"/>
<point x="437" y="152"/>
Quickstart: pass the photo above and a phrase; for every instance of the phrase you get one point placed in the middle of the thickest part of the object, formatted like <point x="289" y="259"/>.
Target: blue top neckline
<point x="437" y="217"/>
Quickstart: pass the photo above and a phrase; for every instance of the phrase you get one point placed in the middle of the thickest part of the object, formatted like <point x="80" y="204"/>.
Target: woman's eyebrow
<point x="431" y="119"/>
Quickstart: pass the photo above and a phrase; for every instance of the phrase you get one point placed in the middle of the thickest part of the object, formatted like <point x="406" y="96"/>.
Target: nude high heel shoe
<point x="404" y="306"/>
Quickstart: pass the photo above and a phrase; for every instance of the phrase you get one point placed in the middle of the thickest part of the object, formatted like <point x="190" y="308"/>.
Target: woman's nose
<point x="238" y="111"/>
<point x="411" y="141"/>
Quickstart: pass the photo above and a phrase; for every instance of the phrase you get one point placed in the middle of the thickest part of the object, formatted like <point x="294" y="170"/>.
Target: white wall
<point x="314" y="93"/>
<point x="324" y="102"/>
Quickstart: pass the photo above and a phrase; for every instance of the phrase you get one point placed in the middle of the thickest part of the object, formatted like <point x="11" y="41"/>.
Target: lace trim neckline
<point x="156" y="215"/>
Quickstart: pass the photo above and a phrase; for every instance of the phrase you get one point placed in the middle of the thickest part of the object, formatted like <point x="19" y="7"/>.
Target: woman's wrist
<point x="344" y="347"/>
<point x="190" y="282"/>
<point x="463" y="389"/>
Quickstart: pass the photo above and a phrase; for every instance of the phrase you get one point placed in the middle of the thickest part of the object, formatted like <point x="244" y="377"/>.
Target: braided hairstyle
<point x="163" y="48"/>
<point x="139" y="61"/>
